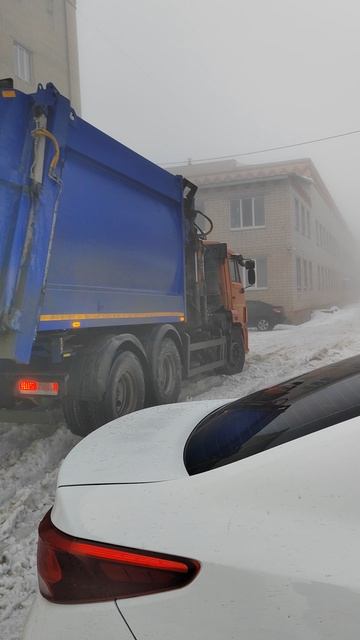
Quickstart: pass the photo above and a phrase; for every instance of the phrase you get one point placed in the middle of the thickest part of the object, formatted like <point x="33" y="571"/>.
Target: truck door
<point x="238" y="304"/>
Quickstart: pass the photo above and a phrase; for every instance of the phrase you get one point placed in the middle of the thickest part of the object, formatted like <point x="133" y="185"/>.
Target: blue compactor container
<point x="99" y="257"/>
<point x="96" y="239"/>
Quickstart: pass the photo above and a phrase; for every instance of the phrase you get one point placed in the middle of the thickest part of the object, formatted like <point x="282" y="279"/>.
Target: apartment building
<point x="38" y="43"/>
<point x="282" y="215"/>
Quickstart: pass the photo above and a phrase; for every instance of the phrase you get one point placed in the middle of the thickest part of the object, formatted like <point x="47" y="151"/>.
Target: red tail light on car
<point x="72" y="570"/>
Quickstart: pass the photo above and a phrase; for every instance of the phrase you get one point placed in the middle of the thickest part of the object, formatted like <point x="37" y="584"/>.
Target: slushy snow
<point x="30" y="455"/>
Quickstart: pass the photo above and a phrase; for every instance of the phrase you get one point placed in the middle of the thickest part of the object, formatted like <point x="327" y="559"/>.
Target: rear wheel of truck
<point x="166" y="372"/>
<point x="125" y="390"/>
<point x="236" y="353"/>
<point x="78" y="416"/>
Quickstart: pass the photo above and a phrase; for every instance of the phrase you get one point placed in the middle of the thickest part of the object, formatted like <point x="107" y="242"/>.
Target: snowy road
<point x="30" y="455"/>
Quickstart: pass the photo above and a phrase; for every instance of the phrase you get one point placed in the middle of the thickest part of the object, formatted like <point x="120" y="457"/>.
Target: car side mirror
<point x="251" y="278"/>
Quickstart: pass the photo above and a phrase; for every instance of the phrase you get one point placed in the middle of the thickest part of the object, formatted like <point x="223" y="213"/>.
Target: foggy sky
<point x="179" y="79"/>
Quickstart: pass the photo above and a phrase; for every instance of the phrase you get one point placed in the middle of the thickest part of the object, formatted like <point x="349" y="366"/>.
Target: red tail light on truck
<point x="33" y="387"/>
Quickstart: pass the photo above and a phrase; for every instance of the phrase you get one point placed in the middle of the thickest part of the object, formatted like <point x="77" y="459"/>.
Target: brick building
<point x="38" y="43"/>
<point x="282" y="215"/>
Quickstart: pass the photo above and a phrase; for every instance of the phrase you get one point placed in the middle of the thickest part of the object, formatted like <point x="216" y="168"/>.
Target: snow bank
<point x="30" y="455"/>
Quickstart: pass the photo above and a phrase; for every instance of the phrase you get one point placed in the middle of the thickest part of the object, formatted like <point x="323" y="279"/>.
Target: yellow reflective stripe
<point x="8" y="93"/>
<point x="109" y="316"/>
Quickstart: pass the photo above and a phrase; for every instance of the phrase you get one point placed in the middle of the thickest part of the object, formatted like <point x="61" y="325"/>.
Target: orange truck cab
<point x="225" y="288"/>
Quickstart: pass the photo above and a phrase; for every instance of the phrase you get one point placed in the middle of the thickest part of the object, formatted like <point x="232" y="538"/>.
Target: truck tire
<point x="166" y="372"/>
<point x="236" y="353"/>
<point x="125" y="390"/>
<point x="78" y="417"/>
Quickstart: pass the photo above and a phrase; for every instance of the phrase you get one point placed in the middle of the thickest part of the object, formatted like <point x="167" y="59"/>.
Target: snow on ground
<point x="30" y="454"/>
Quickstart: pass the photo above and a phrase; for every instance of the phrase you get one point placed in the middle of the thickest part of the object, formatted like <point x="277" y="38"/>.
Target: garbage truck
<point x="111" y="293"/>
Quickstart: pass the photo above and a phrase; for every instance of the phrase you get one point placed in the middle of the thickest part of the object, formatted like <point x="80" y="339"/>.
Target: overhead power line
<point x="266" y="150"/>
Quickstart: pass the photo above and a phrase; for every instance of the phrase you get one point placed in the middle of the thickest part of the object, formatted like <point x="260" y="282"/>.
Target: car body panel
<point x="277" y="536"/>
<point x="258" y="310"/>
<point x="145" y="446"/>
<point x="63" y="622"/>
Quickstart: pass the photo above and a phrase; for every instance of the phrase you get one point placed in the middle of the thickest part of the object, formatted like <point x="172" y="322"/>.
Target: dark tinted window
<point x="234" y="271"/>
<point x="274" y="416"/>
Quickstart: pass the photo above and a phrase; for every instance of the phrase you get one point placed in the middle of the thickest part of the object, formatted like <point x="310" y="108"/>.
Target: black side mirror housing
<point x="251" y="276"/>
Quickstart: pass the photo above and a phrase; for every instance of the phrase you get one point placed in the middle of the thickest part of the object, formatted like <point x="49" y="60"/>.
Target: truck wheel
<point x="125" y="388"/>
<point x="236" y="356"/>
<point x="78" y="417"/>
<point x="166" y="373"/>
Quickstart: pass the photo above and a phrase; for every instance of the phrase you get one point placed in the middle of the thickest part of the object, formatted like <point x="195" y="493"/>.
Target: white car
<point x="190" y="522"/>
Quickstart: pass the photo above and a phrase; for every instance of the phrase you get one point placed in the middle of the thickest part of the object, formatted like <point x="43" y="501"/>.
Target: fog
<point x="179" y="79"/>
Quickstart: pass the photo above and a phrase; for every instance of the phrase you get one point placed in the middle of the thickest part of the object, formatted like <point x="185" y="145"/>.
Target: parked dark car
<point x="264" y="316"/>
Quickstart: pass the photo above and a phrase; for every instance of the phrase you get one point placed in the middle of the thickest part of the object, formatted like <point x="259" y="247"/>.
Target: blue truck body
<point x="109" y="296"/>
<point x="100" y="242"/>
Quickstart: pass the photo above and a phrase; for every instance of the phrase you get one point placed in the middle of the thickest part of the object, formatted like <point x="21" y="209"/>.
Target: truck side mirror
<point x="251" y="277"/>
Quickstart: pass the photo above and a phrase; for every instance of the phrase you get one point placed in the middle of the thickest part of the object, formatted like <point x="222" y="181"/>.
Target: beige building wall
<point x="331" y="252"/>
<point x="289" y="243"/>
<point x="272" y="242"/>
<point x="47" y="31"/>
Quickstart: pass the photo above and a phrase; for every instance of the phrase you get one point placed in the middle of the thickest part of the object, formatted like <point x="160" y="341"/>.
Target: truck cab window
<point x="234" y="271"/>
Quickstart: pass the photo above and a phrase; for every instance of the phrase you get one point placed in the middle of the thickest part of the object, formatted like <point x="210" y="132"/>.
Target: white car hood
<point x="145" y="446"/>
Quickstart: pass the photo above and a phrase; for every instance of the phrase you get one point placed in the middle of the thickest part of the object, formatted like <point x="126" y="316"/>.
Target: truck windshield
<point x="274" y="416"/>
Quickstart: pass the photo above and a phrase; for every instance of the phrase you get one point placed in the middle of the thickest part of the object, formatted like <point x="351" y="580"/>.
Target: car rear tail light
<point x="73" y="570"/>
<point x="33" y="387"/>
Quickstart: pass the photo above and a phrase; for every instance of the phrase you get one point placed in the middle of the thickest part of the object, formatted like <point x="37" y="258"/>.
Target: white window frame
<point x="23" y="62"/>
<point x="253" y="226"/>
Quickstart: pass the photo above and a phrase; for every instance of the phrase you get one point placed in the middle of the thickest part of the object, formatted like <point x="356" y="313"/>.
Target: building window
<point x="305" y="274"/>
<point x="298" y="274"/>
<point x="310" y="275"/>
<point x="318" y="277"/>
<point x="22" y="62"/>
<point x="302" y="220"/>
<point x="322" y="278"/>
<point x="297" y="215"/>
<point x="317" y="233"/>
<point x="308" y="226"/>
<point x="247" y="212"/>
<point x="235" y="214"/>
<point x="200" y="221"/>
